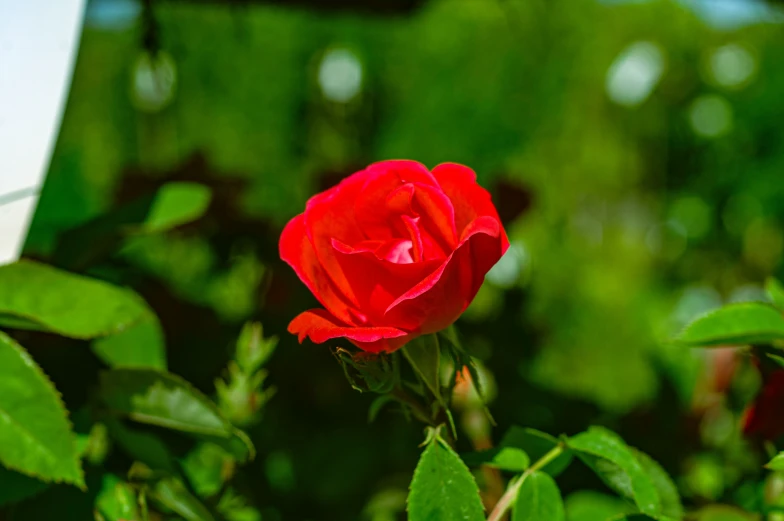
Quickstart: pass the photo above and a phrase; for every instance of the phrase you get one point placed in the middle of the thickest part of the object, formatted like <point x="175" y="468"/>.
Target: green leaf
<point x="643" y="517"/>
<point x="668" y="492"/>
<point x="171" y="493"/>
<point x="424" y="356"/>
<point x="116" y="500"/>
<point x="172" y="205"/>
<point x="377" y="404"/>
<point x="723" y="513"/>
<point x="35" y="436"/>
<point x="176" y="204"/>
<point x="165" y="400"/>
<point x="776" y="358"/>
<point x="510" y="458"/>
<point x="504" y="458"/>
<point x="238" y="445"/>
<point x="16" y="487"/>
<point x="536" y="444"/>
<point x="443" y="488"/>
<point x="234" y="507"/>
<point x="735" y="324"/>
<point x="775" y="291"/>
<point x="538" y="499"/>
<point x="49" y="299"/>
<point x="777" y="463"/>
<point x="142" y="446"/>
<point x="207" y="468"/>
<point x="616" y="464"/>
<point x="140" y="345"/>
<point x="587" y="505"/>
<point x="13" y="322"/>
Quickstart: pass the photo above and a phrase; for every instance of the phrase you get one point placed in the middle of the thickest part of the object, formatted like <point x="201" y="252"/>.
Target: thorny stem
<point x="505" y="503"/>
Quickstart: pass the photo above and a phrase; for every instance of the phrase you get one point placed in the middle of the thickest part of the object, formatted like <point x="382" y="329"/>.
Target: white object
<point x="38" y="44"/>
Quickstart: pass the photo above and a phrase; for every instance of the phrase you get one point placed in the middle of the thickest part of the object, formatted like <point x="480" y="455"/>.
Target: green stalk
<point x="505" y="503"/>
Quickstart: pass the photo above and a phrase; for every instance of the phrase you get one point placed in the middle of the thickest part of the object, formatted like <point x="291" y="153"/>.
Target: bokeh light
<point x="634" y="73"/>
<point x="710" y="116"/>
<point x="732" y="66"/>
<point x="154" y="81"/>
<point x="340" y="75"/>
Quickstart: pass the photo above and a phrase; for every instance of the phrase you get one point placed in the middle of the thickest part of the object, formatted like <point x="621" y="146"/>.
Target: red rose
<point x="392" y="252"/>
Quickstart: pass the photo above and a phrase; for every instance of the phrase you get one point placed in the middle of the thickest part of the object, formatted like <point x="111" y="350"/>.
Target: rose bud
<point x="392" y="252"/>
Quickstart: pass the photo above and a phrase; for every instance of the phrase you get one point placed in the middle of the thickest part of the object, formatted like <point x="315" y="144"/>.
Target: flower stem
<point x="417" y="408"/>
<point x="505" y="503"/>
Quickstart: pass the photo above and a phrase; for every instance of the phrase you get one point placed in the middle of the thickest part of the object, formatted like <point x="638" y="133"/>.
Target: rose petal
<point x="297" y="251"/>
<point x="433" y="211"/>
<point x="320" y="326"/>
<point x="392" y="250"/>
<point x="427" y="244"/>
<point x="403" y="188"/>
<point x="485" y="253"/>
<point x="387" y="192"/>
<point x="469" y="200"/>
<point x="438" y="299"/>
<point x="407" y="170"/>
<point x="412" y="227"/>
<point x="399" y="200"/>
<point x="377" y="283"/>
<point x="330" y="215"/>
<point x="437" y="216"/>
<point x="484" y="225"/>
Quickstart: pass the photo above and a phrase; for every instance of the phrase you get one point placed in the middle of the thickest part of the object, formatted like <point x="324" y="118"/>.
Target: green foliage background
<point x="626" y="222"/>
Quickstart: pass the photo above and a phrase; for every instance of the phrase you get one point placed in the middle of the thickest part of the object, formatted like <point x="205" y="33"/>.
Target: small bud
<point x="241" y="397"/>
<point x="468" y="393"/>
<point x="97" y="444"/>
<point x="253" y="350"/>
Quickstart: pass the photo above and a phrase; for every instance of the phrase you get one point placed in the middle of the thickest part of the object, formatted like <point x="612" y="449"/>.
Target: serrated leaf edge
<point x="58" y="397"/>
<point x="436" y="438"/>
